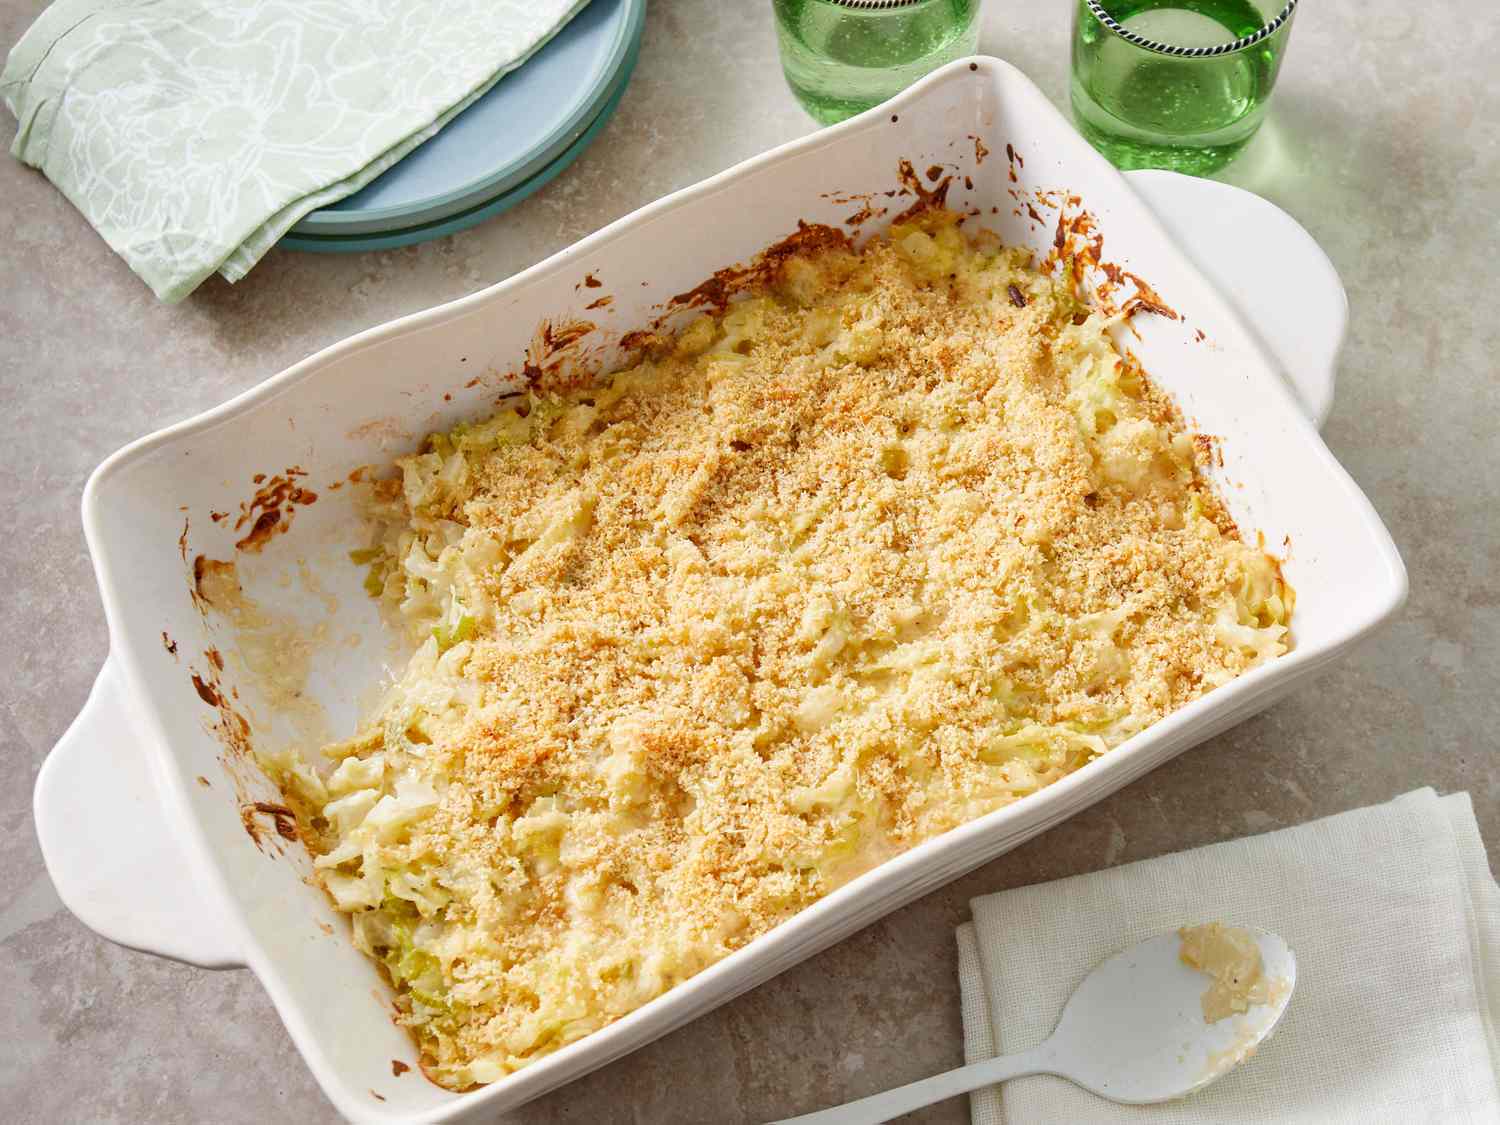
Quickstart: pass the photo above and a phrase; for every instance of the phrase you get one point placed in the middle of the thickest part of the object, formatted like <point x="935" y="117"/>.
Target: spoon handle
<point x="903" y="1099"/>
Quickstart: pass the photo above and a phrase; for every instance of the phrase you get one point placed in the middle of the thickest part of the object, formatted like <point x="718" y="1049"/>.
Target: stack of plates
<point x="525" y="130"/>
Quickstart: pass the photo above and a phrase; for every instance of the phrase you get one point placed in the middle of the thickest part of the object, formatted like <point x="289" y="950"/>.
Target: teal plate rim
<point x="485" y="192"/>
<point x="424" y="232"/>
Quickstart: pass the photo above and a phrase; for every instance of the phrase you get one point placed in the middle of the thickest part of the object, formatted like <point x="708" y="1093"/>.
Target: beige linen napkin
<point x="1395" y="920"/>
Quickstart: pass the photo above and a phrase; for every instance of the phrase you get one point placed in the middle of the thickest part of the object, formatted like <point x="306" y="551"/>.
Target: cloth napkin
<point x="193" y="134"/>
<point x="1395" y="921"/>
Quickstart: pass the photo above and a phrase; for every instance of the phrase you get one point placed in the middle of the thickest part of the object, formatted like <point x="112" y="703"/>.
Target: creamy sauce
<point x="1231" y="957"/>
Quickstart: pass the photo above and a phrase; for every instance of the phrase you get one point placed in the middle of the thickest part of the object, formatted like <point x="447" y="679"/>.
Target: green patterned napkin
<point x="194" y="133"/>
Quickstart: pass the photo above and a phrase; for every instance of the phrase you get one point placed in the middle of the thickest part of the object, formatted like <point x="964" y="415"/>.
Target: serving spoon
<point x="1134" y="1031"/>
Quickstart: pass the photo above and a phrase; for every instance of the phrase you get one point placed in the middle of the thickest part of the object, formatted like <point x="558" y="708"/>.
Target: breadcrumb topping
<point x="893" y="544"/>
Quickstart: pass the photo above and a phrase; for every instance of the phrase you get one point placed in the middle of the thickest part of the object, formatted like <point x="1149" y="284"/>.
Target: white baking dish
<point x="151" y="857"/>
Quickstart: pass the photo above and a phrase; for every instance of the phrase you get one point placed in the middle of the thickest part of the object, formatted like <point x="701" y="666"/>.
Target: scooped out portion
<point x="1231" y="956"/>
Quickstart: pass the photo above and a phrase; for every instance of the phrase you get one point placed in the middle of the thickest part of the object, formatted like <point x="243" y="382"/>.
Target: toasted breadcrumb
<point x="865" y="557"/>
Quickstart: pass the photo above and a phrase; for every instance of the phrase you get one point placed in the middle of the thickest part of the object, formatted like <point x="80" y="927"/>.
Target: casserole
<point x="149" y="512"/>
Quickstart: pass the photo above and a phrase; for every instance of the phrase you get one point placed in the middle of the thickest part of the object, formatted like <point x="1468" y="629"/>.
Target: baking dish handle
<point x="110" y="846"/>
<point x="1268" y="266"/>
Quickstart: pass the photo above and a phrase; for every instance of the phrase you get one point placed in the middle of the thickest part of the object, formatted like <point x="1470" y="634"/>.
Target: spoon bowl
<point x="1134" y="1031"/>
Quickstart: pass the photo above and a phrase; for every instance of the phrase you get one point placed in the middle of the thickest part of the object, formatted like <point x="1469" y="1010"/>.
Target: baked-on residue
<point x="884" y="548"/>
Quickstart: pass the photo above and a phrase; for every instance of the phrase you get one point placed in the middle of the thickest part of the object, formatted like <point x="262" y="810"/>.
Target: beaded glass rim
<point x="875" y="5"/>
<point x="1271" y="28"/>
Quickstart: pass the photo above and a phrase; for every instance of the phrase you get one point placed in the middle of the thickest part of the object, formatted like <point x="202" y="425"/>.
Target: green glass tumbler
<point x="841" y="57"/>
<point x="1179" y="84"/>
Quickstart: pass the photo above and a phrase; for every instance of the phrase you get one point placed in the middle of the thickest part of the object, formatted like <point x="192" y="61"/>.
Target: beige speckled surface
<point x="1382" y="142"/>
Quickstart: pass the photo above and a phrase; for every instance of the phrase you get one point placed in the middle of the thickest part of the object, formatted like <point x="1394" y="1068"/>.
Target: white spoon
<point x="1134" y="1032"/>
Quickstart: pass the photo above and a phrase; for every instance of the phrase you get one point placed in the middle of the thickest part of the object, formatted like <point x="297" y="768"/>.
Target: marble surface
<point x="1382" y="142"/>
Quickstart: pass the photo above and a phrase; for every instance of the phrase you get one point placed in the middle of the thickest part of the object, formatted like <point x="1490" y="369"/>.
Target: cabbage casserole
<point x="895" y="541"/>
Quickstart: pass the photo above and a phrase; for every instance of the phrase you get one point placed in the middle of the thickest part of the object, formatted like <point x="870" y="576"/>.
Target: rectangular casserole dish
<point x="180" y="723"/>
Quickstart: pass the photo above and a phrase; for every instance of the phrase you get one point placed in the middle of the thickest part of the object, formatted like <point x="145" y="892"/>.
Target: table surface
<point x="1382" y="142"/>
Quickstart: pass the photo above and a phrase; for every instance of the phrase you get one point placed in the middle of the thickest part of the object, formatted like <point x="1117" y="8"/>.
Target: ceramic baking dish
<point x="147" y="818"/>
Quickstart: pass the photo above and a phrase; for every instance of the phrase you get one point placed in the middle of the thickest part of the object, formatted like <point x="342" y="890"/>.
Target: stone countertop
<point x="1382" y="141"/>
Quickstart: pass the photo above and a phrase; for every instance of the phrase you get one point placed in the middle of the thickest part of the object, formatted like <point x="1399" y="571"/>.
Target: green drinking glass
<point x="1179" y="84"/>
<point x="841" y="57"/>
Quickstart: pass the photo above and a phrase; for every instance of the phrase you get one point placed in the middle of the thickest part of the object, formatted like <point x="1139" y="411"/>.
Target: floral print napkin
<point x="193" y="134"/>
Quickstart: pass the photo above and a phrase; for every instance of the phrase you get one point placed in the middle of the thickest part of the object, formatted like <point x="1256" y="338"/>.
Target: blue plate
<point x="389" y="240"/>
<point x="520" y="128"/>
